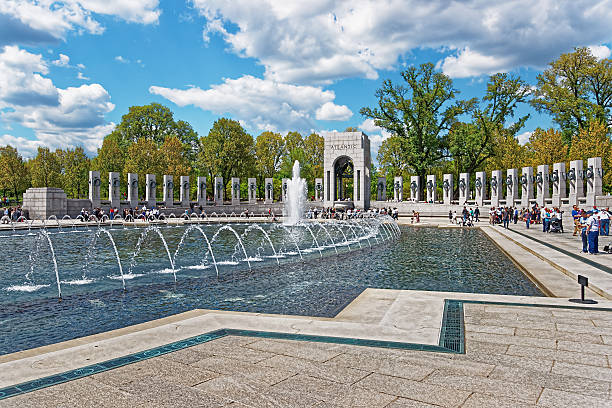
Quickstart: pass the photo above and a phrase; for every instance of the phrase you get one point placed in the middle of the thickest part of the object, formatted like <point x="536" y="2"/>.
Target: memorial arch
<point x="346" y="170"/>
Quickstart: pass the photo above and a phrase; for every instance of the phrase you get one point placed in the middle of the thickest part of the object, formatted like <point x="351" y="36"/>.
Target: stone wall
<point x="42" y="202"/>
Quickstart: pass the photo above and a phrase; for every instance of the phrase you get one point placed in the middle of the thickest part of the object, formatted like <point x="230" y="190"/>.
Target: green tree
<point x="227" y="151"/>
<point x="13" y="171"/>
<point x="575" y="90"/>
<point x="470" y="144"/>
<point x="313" y="151"/>
<point x="45" y="169"/>
<point x="546" y="147"/>
<point x="421" y="112"/>
<point x="269" y="150"/>
<point x="594" y="141"/>
<point x="143" y="157"/>
<point x="75" y="168"/>
<point x="392" y="156"/>
<point x="175" y="162"/>
<point x="111" y="158"/>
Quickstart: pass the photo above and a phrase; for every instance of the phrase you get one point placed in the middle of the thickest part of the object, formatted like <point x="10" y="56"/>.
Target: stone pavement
<point x="516" y="356"/>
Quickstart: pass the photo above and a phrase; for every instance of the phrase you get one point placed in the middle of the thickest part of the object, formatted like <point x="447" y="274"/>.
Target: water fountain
<point x="293" y="210"/>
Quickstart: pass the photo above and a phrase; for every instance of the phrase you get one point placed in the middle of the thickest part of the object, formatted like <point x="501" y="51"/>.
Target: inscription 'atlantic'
<point x="343" y="146"/>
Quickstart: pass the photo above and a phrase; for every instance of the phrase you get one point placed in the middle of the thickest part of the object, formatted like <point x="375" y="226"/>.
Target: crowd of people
<point x="12" y="214"/>
<point x="341" y="214"/>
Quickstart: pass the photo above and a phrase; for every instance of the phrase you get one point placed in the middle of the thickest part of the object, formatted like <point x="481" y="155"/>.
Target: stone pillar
<point x="381" y="189"/>
<point x="542" y="191"/>
<point x="151" y="190"/>
<point x="219" y="187"/>
<point x="235" y="191"/>
<point x="559" y="184"/>
<point x="398" y="188"/>
<point x="481" y="187"/>
<point x="269" y="191"/>
<point x="447" y="188"/>
<point x="185" y="192"/>
<point x="201" y="191"/>
<point x="252" y="190"/>
<point x="94" y="188"/>
<point x="168" y="191"/>
<point x="132" y="179"/>
<point x="318" y="189"/>
<point x="114" y="194"/>
<point x="42" y="202"/>
<point x="511" y="187"/>
<point x="464" y="188"/>
<point x="284" y="190"/>
<point x="526" y="182"/>
<point x="594" y="180"/>
<point x="575" y="177"/>
<point x="431" y="188"/>
<point x="415" y="188"/>
<point x="496" y="187"/>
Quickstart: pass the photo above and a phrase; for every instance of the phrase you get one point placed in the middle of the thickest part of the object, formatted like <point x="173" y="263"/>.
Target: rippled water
<point x="93" y="300"/>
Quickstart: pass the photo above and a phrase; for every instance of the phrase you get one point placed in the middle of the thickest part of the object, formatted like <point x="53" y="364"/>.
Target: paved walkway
<point x="515" y="357"/>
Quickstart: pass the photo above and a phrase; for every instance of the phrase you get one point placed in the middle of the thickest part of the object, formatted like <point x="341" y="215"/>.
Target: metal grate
<point x="452" y="334"/>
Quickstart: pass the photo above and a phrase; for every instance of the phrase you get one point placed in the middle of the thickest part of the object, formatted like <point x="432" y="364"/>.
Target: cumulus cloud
<point x="600" y="51"/>
<point x="331" y="111"/>
<point x="323" y="40"/>
<point x="41" y="21"/>
<point x="523" y="138"/>
<point x="26" y="147"/>
<point x="376" y="134"/>
<point x="262" y="104"/>
<point x="59" y="117"/>
<point x="62" y="61"/>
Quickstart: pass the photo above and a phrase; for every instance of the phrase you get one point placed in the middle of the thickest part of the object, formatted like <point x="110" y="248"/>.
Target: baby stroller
<point x="555" y="225"/>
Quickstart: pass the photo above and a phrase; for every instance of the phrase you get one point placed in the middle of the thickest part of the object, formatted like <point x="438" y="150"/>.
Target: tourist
<point x="492" y="215"/>
<point x="506" y="217"/>
<point x="576" y="214"/>
<point x="593" y="232"/>
<point x="516" y="214"/>
<point x="604" y="228"/>
<point x="450" y="216"/>
<point x="527" y="218"/>
<point x="477" y="214"/>
<point x="582" y="225"/>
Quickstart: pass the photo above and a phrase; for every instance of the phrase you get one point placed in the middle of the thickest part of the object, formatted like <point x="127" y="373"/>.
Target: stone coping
<point x="377" y="315"/>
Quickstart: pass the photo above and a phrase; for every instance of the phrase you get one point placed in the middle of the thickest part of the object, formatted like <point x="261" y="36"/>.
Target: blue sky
<point x="69" y="70"/>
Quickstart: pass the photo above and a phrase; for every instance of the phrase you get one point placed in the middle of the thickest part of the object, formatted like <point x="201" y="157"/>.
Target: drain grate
<point x="452" y="335"/>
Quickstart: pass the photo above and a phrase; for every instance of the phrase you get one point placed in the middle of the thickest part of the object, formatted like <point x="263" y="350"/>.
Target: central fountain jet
<point x="296" y="195"/>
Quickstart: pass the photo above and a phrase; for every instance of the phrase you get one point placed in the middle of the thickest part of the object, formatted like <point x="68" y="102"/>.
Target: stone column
<point x="464" y="188"/>
<point x="447" y="188"/>
<point x="269" y="191"/>
<point x="542" y="191"/>
<point x="284" y="190"/>
<point x="398" y="188"/>
<point x="575" y="177"/>
<point x="415" y="188"/>
<point x="526" y="182"/>
<point x="481" y="187"/>
<point x="114" y="194"/>
<point x="201" y="191"/>
<point x="318" y="189"/>
<point x="511" y="187"/>
<point x="431" y="188"/>
<point x="252" y="190"/>
<point x="559" y="184"/>
<point x="168" y="191"/>
<point x="185" y="192"/>
<point x="496" y="187"/>
<point x="219" y="187"/>
<point x="594" y="181"/>
<point x="151" y="190"/>
<point x="94" y="188"/>
<point x="381" y="189"/>
<point x="132" y="179"/>
<point x="235" y="191"/>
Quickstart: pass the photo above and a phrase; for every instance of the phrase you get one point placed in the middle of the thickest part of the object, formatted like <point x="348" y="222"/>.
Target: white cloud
<point x="80" y="66"/>
<point x="469" y="63"/>
<point x="121" y="59"/>
<point x="523" y="138"/>
<point x="36" y="21"/>
<point x="600" y="51"/>
<point x="26" y="147"/>
<point x="59" y="117"/>
<point x="261" y="103"/>
<point x="82" y="77"/>
<point x="321" y="41"/>
<point x="331" y="111"/>
<point x="62" y="61"/>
